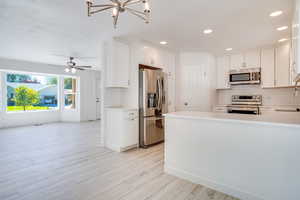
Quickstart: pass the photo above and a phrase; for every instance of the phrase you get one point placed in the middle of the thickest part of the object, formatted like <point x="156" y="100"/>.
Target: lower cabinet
<point x="121" y="129"/>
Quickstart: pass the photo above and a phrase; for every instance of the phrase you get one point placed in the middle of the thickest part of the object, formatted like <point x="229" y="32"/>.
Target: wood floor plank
<point x="65" y="161"/>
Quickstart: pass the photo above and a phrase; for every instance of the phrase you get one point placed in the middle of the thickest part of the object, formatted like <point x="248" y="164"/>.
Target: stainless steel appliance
<point x="245" y="104"/>
<point x="245" y="76"/>
<point x="152" y="106"/>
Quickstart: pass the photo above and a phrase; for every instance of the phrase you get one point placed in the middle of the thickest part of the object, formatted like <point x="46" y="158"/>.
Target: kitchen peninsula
<point x="247" y="156"/>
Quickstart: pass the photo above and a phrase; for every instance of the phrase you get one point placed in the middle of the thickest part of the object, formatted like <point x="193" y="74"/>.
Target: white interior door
<point x="191" y="88"/>
<point x="98" y="99"/>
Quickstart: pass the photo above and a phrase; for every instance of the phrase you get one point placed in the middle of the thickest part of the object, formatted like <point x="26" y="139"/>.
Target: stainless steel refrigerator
<point x="152" y="106"/>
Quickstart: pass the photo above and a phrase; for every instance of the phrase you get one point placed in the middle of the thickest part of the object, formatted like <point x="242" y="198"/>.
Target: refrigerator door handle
<point x="158" y="94"/>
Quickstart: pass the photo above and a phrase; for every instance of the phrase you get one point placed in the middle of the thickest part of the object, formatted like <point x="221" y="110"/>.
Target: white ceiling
<point x="37" y="30"/>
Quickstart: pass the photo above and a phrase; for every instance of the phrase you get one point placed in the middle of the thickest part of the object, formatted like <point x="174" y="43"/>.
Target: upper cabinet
<point x="275" y="66"/>
<point x="252" y="59"/>
<point x="268" y="67"/>
<point x="274" y="62"/>
<point x="223" y="68"/>
<point x="117" y="65"/>
<point x="249" y="59"/>
<point x="237" y="61"/>
<point x="295" y="43"/>
<point x="282" y="65"/>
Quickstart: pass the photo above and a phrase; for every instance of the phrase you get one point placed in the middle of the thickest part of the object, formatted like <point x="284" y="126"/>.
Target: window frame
<point x="76" y="93"/>
<point x="4" y="93"/>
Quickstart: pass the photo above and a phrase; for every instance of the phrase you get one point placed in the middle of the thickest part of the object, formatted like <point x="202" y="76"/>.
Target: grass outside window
<point x="27" y="108"/>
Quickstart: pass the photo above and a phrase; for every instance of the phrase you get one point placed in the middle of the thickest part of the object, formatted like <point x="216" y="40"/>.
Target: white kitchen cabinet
<point x="117" y="65"/>
<point x="295" y="43"/>
<point x="223" y="68"/>
<point x="282" y="65"/>
<point x="268" y="67"/>
<point x="252" y="59"/>
<point x="236" y="61"/>
<point x="249" y="59"/>
<point x="121" y="129"/>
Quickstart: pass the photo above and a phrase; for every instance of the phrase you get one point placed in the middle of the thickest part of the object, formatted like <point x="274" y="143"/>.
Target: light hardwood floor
<point x="65" y="161"/>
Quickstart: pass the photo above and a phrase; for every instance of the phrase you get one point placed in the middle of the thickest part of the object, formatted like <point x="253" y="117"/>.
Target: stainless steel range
<point x="245" y="104"/>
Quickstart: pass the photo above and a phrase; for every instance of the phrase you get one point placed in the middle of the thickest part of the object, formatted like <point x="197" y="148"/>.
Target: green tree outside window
<point x="26" y="97"/>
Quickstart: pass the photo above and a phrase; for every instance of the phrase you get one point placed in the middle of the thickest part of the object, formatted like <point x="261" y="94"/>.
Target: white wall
<point x="86" y="101"/>
<point x="195" y="81"/>
<point x="271" y="97"/>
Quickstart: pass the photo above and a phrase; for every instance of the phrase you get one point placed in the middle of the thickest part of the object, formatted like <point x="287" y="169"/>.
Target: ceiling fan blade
<point x="88" y="67"/>
<point x="78" y="68"/>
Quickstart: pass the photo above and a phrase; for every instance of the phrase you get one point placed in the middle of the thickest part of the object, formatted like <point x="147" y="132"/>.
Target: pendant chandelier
<point x="120" y="6"/>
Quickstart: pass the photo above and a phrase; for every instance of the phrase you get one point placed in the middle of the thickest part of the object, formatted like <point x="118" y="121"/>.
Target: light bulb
<point x="114" y="12"/>
<point x="67" y="70"/>
<point x="73" y="70"/>
<point x="147" y="7"/>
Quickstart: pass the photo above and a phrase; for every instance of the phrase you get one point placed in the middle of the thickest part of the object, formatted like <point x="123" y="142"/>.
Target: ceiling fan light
<point x="114" y="12"/>
<point x="67" y="70"/>
<point x="73" y="70"/>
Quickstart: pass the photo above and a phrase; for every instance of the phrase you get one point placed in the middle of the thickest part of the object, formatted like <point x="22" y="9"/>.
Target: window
<point x="29" y="92"/>
<point x="70" y="92"/>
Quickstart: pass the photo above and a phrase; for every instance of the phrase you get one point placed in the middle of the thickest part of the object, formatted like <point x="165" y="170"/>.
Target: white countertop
<point x="280" y="119"/>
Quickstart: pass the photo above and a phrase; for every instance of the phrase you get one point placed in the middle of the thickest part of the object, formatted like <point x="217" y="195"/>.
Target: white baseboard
<point x="210" y="184"/>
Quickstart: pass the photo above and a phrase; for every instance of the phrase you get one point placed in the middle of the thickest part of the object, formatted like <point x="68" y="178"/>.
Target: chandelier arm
<point x="115" y="1"/>
<point x="103" y="9"/>
<point x="136" y="11"/>
<point x="116" y="18"/>
<point x="138" y="15"/>
<point x="100" y="6"/>
<point x="131" y="2"/>
<point x="126" y="2"/>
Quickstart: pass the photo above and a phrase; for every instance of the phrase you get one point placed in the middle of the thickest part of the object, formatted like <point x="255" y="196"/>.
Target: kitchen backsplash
<point x="271" y="97"/>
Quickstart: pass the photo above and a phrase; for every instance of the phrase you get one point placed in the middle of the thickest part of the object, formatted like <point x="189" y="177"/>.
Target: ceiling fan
<point x="72" y="66"/>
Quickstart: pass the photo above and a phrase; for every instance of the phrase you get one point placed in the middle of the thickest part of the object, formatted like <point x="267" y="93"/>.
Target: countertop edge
<point x="290" y="125"/>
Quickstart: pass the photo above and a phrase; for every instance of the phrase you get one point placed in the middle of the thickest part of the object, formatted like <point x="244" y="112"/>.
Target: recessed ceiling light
<point x="276" y="13"/>
<point x="282" y="28"/>
<point x="283" y="40"/>
<point x="207" y="31"/>
<point x="228" y="49"/>
<point x="163" y="42"/>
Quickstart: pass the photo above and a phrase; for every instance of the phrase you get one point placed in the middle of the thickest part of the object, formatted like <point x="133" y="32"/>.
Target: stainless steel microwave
<point x="245" y="76"/>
